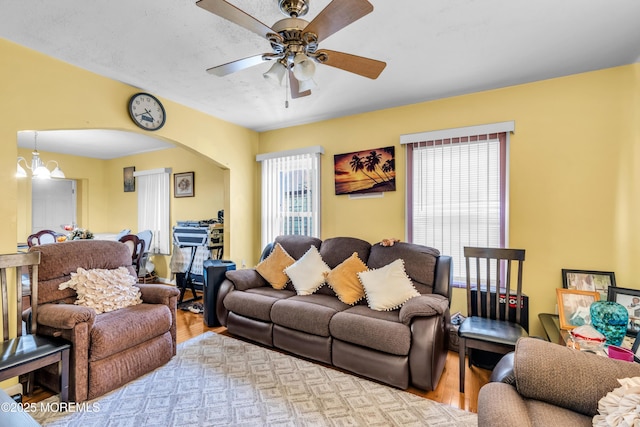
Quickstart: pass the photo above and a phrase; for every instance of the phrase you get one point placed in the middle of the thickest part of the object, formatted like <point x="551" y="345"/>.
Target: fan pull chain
<point x="286" y="94"/>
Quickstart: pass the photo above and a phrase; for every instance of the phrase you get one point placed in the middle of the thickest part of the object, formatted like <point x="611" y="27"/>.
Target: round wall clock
<point x="146" y="111"/>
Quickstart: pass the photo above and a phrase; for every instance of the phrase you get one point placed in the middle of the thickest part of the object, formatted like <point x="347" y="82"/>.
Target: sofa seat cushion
<point x="379" y="330"/>
<point x="307" y="313"/>
<point x="127" y="327"/>
<point x="255" y="303"/>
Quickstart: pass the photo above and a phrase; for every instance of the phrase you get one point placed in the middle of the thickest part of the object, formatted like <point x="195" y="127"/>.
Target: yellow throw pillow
<point x="272" y="267"/>
<point x="344" y="279"/>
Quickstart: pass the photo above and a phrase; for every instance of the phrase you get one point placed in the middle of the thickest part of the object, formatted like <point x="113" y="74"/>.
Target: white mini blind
<point x="457" y="193"/>
<point x="290" y="193"/>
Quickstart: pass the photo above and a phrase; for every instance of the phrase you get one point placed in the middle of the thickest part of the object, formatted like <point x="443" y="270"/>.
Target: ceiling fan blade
<point x="293" y="82"/>
<point x="337" y="15"/>
<point x="231" y="13"/>
<point x="366" y="67"/>
<point x="232" y="67"/>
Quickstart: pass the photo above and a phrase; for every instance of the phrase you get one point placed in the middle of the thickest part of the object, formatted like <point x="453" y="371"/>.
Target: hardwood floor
<point x="191" y="325"/>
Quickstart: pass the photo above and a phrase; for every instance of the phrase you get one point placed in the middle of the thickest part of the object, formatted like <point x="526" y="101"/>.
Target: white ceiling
<point x="102" y="144"/>
<point x="433" y="49"/>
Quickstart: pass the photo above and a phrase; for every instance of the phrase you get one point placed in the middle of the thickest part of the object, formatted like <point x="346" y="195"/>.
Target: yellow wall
<point x="66" y="97"/>
<point x="209" y="196"/>
<point x="104" y="207"/>
<point x="574" y="162"/>
<point x="574" y="196"/>
<point x="42" y="93"/>
<point x="93" y="195"/>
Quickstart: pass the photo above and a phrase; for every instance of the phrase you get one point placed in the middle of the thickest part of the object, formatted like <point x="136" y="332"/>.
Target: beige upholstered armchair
<point x="111" y="348"/>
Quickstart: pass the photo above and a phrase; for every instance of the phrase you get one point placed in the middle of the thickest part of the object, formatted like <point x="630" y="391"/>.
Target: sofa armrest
<point x="566" y="377"/>
<point x="500" y="404"/>
<point x="443" y="275"/>
<point x="246" y="278"/>
<point x="424" y="306"/>
<point x="65" y="316"/>
<point x="503" y="371"/>
<point x="157" y="294"/>
<point x="222" y="313"/>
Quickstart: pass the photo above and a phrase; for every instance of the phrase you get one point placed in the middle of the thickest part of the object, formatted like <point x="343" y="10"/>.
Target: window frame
<point x="501" y="132"/>
<point x="270" y="212"/>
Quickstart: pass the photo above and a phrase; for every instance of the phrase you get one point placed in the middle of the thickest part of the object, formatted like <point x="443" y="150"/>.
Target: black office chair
<point x="489" y="325"/>
<point x="26" y="353"/>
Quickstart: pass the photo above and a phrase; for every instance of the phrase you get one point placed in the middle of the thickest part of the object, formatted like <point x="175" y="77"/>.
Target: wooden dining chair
<point x="27" y="352"/>
<point x="490" y="324"/>
<point x="147" y="237"/>
<point x="136" y="246"/>
<point x="42" y="237"/>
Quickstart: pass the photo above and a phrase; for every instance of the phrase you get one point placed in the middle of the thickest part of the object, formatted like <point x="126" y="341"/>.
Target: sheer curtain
<point x="290" y="193"/>
<point x="153" y="207"/>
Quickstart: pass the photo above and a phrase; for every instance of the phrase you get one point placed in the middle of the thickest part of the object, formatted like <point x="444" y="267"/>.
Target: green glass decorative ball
<point x="610" y="319"/>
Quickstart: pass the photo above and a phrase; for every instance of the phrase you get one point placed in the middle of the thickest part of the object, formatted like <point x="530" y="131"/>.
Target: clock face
<point x="146" y="111"/>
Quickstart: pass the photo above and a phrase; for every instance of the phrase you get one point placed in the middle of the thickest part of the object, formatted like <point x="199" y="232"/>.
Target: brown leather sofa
<point x="108" y="349"/>
<point x="402" y="347"/>
<point x="549" y="385"/>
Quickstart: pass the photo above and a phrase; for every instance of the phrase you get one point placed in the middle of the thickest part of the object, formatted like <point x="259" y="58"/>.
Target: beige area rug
<point x="216" y="380"/>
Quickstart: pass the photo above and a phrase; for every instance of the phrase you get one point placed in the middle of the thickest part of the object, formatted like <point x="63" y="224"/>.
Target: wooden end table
<point x="551" y="324"/>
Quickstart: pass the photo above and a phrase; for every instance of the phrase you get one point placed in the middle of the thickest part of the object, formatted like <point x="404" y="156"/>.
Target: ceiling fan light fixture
<point x="304" y="67"/>
<point x="276" y="73"/>
<point x="305" y="85"/>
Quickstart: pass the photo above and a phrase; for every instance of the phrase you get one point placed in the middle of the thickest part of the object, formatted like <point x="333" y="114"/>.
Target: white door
<point x="53" y="204"/>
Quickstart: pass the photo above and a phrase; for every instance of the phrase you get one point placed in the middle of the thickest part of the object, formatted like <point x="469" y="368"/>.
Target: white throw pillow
<point x="387" y="288"/>
<point x="104" y="290"/>
<point x="307" y="273"/>
<point x="620" y="406"/>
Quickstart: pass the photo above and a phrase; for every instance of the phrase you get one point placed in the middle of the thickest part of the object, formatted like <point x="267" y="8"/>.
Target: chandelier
<point x="38" y="168"/>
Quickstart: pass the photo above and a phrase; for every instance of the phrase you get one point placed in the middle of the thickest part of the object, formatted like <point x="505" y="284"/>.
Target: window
<point x="153" y="207"/>
<point x="290" y="193"/>
<point x="457" y="189"/>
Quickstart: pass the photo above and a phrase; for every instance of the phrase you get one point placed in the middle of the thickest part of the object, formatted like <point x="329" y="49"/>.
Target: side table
<point x="551" y="324"/>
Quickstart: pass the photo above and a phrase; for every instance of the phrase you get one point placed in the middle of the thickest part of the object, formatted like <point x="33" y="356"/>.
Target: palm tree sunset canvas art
<point x="367" y="171"/>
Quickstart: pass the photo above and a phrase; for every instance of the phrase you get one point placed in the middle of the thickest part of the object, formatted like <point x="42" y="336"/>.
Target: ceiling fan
<point x="294" y="41"/>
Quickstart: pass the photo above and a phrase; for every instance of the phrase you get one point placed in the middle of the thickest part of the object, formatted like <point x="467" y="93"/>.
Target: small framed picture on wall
<point x="129" y="179"/>
<point x="184" y="184"/>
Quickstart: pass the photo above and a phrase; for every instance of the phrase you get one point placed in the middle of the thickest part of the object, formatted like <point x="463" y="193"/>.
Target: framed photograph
<point x="585" y="280"/>
<point x="573" y="307"/>
<point x="129" y="179"/>
<point x="184" y="184"/>
<point x="630" y="299"/>
<point x="636" y="348"/>
<point x="366" y="171"/>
